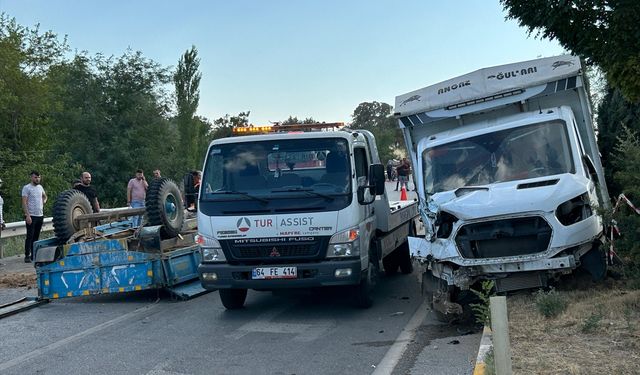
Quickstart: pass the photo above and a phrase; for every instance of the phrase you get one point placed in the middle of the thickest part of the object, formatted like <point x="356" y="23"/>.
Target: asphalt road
<point x="302" y="332"/>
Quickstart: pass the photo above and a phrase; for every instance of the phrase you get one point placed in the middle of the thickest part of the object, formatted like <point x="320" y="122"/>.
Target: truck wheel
<point x="390" y="263"/>
<point x="233" y="299"/>
<point x="69" y="205"/>
<point x="164" y="207"/>
<point x="595" y="262"/>
<point x="404" y="258"/>
<point x="364" y="291"/>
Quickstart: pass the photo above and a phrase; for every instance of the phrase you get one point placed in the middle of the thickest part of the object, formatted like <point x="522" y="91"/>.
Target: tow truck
<point x="299" y="206"/>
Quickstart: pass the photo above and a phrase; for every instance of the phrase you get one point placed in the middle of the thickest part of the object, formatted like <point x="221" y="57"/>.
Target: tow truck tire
<point x="233" y="299"/>
<point x="164" y="207"/>
<point x="363" y="292"/>
<point x="69" y="205"/>
<point x="404" y="258"/>
<point x="390" y="263"/>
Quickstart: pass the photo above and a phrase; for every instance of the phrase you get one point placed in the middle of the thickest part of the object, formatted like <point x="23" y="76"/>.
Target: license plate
<point x="266" y="273"/>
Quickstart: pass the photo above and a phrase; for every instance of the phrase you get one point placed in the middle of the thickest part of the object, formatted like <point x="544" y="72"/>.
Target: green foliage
<point x="482" y="310"/>
<point x="604" y="32"/>
<point x="626" y="159"/>
<point x="593" y="321"/>
<point x="187" y="85"/>
<point x="294" y="120"/>
<point x="377" y="118"/>
<point x="490" y="363"/>
<point x="550" y="304"/>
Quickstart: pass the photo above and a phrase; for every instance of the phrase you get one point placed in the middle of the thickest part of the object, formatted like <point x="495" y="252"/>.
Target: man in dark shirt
<point x="89" y="191"/>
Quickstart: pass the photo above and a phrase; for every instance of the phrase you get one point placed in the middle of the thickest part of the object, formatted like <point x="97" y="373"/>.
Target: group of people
<point x="402" y="171"/>
<point x="34" y="198"/>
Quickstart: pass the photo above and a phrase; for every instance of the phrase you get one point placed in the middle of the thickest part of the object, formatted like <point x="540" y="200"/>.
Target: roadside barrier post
<point x="500" y="328"/>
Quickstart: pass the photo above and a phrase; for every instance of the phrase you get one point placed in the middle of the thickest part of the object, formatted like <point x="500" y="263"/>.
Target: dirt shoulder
<point x="598" y="333"/>
<point x="15" y="273"/>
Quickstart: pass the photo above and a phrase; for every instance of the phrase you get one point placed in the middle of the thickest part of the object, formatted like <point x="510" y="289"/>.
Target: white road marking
<point x="391" y="359"/>
<point x="304" y="332"/>
<point x="58" y="344"/>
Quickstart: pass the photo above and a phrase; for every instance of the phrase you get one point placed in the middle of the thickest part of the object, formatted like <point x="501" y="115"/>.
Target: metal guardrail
<point x="19" y="228"/>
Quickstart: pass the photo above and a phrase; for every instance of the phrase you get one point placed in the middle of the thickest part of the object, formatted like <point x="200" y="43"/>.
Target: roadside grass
<point x="15" y="245"/>
<point x="597" y="333"/>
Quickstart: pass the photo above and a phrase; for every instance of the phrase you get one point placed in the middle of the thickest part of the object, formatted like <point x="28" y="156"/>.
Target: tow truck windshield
<point x="513" y="154"/>
<point x="277" y="176"/>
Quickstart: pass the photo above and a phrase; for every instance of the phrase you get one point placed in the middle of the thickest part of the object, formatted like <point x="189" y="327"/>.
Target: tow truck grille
<point x="503" y="238"/>
<point x="276" y="251"/>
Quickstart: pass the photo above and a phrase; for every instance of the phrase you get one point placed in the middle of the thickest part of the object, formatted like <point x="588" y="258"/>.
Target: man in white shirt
<point x="33" y="200"/>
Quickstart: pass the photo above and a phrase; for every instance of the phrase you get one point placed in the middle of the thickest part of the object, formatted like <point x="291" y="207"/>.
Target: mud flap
<point x="188" y="290"/>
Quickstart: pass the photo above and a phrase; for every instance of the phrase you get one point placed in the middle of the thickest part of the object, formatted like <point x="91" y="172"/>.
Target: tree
<point x="606" y="33"/>
<point x="187" y="86"/>
<point x="377" y="118"/>
<point x="294" y="120"/>
<point x="614" y="115"/>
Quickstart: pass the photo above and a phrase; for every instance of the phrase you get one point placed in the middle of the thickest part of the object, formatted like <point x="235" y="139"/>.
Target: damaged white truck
<point x="509" y="179"/>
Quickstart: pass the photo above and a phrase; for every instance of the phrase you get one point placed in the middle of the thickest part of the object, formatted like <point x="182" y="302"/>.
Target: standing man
<point x="136" y="194"/>
<point x="156" y="174"/>
<point x="88" y="190"/>
<point x="403" y="174"/>
<point x="33" y="200"/>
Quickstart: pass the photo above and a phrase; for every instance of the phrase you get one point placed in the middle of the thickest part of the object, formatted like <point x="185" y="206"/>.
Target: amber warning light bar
<point x="278" y="128"/>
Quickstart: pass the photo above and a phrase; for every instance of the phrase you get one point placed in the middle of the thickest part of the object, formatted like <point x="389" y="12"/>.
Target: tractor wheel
<point x="69" y="205"/>
<point x="164" y="207"/>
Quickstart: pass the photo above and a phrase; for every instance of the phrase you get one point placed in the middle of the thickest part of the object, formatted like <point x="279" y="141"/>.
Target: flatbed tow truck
<point x="85" y="259"/>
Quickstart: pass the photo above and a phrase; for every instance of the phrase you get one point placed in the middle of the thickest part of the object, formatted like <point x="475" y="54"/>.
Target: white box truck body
<point x="509" y="178"/>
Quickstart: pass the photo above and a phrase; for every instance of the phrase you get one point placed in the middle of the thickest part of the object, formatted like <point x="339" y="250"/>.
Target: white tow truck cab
<point x="509" y="178"/>
<point x="301" y="206"/>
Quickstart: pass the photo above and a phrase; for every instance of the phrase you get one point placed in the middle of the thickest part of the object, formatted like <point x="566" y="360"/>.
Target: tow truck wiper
<point x="305" y="190"/>
<point x="244" y="194"/>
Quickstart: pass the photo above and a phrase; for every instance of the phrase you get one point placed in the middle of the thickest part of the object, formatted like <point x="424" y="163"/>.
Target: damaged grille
<point x="504" y="238"/>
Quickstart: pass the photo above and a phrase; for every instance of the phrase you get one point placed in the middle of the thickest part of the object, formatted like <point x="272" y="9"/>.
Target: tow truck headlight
<point x="344" y="244"/>
<point x="211" y="249"/>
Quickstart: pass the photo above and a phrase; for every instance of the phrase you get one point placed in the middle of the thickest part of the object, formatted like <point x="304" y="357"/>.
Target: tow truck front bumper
<point x="309" y="275"/>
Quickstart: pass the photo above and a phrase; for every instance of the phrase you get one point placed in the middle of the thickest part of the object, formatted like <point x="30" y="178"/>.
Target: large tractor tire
<point x="164" y="207"/>
<point x="69" y="205"/>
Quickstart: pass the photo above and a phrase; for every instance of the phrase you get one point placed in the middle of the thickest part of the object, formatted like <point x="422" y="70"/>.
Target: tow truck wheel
<point x="364" y="290"/>
<point x="390" y="263"/>
<point x="164" y="207"/>
<point x="69" y="205"/>
<point x="233" y="299"/>
<point x="406" y="265"/>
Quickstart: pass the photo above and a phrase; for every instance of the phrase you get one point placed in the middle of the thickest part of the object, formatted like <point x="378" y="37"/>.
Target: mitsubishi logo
<point x="274" y="252"/>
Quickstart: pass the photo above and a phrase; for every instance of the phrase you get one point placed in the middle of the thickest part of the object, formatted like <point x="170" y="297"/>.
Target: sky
<point x="305" y="58"/>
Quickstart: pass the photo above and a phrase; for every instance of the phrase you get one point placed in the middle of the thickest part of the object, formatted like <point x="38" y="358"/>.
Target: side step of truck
<point x="187" y="290"/>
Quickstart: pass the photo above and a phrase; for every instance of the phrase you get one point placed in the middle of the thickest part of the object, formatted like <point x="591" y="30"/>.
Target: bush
<point x="482" y="310"/>
<point x="593" y="321"/>
<point x="550" y="304"/>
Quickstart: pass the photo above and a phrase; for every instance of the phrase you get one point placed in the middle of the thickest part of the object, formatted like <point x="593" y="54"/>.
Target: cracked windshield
<point x="513" y="154"/>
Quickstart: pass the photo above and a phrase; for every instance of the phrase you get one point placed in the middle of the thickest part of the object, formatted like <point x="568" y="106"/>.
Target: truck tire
<point x="595" y="263"/>
<point x="69" y="205"/>
<point x="363" y="292"/>
<point x="390" y="263"/>
<point x="404" y="258"/>
<point x="164" y="207"/>
<point x="233" y="299"/>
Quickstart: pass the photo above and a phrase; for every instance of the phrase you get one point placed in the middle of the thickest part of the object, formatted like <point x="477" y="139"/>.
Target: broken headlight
<point x="574" y="210"/>
<point x="444" y="224"/>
